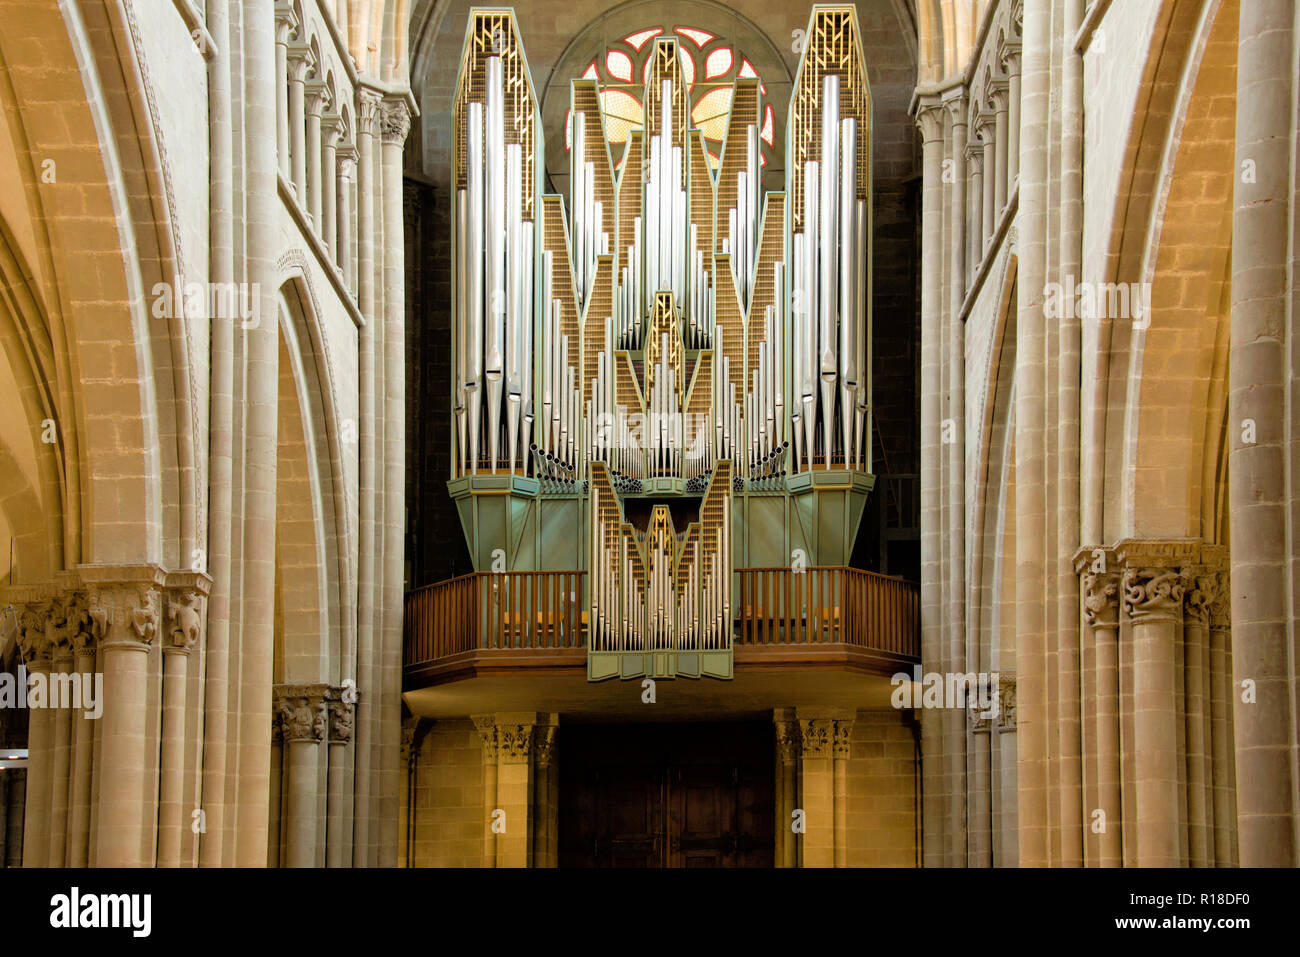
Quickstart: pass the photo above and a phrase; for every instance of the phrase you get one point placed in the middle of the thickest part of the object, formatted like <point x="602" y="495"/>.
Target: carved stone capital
<point x="368" y="103"/>
<point x="929" y="119"/>
<point x="302" y="712"/>
<point x="33" y="641"/>
<point x="395" y="121"/>
<point x="1152" y="594"/>
<point x="544" y="743"/>
<point x="301" y="62"/>
<point x="1100" y="594"/>
<point x="286" y="21"/>
<point x="787" y="736"/>
<point x="318" y="97"/>
<point x="1006" y="701"/>
<point x="486" y="726"/>
<point x="1199" y="588"/>
<point x="842" y="737"/>
<point x="186" y="592"/>
<point x="816" y="736"/>
<point x="410" y="741"/>
<point x="515" y="743"/>
<point x="341" y="704"/>
<point x="125" y="604"/>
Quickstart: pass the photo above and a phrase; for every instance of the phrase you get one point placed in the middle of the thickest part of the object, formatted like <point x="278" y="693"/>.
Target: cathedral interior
<point x="658" y="433"/>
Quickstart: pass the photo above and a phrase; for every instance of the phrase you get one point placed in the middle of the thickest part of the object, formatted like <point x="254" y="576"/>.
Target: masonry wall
<point x="448" y="820"/>
<point x="882" y="819"/>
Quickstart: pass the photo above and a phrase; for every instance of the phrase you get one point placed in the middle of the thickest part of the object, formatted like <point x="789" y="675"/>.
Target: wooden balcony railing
<point x="827" y="605"/>
<point x="537" y="611"/>
<point x="500" y="610"/>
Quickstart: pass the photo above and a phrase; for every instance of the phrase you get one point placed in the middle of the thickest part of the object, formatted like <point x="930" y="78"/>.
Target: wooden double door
<point x="666" y="795"/>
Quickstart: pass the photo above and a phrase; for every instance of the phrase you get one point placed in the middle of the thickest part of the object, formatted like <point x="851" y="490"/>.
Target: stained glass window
<point x="709" y="65"/>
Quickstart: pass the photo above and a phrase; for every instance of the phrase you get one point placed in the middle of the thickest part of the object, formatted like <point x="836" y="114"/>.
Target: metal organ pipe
<point x="474" y="278"/>
<point x="828" y="273"/>
<point x="848" y="298"/>
<point x="495" y="266"/>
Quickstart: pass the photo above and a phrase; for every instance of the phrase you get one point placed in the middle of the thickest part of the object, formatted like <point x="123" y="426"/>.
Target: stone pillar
<point x="346" y="156"/>
<point x="989" y="217"/>
<point x="285" y="22"/>
<point x="1153" y="598"/>
<point x="1100" y="595"/>
<point x="84" y="649"/>
<point x="395" y="124"/>
<point x="1198" y="591"/>
<point x="58" y="629"/>
<point x="1259" y="367"/>
<point x="341" y="703"/>
<point x="13" y="856"/>
<point x="930" y="121"/>
<point x="842" y="747"/>
<point x="185" y="628"/>
<point x="545" y="810"/>
<point x="34" y="648"/>
<point x="1007" y="850"/>
<point x="125" y="606"/>
<point x="331" y="130"/>
<point x="318" y="99"/>
<point x="1011" y="63"/>
<point x="787" y="753"/>
<point x="486" y="726"/>
<point x="515" y="733"/>
<point x="1223" y="778"/>
<point x="817" y="788"/>
<point x="301" y="61"/>
<point x="304" y="719"/>
<point x="979" y="832"/>
<point x="410" y="756"/>
<point x="975" y="207"/>
<point x="997" y="97"/>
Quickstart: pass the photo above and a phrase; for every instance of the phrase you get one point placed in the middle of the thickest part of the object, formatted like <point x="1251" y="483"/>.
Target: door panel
<point x="666" y="796"/>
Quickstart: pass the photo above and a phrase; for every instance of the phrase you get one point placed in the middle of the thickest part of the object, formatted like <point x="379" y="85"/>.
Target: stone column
<point x="395" y="124"/>
<point x="58" y="629"/>
<point x="1197" y="594"/>
<point x="930" y="121"/>
<point x="545" y="810"/>
<point x="346" y="156"/>
<point x="1153" y="598"/>
<point x="1007" y="850"/>
<point x="817" y="788"/>
<point x="979" y="833"/>
<point x="1223" y="778"/>
<point x="84" y="649"/>
<point x="303" y="723"/>
<point x="185" y="616"/>
<point x="842" y="750"/>
<point x="331" y="129"/>
<point x="33" y="645"/>
<point x="410" y="756"/>
<point x="1100" y="595"/>
<point x="1011" y="63"/>
<point x="125" y="606"/>
<point x="989" y="218"/>
<point x="997" y="102"/>
<point x="787" y="751"/>
<point x="1263" y="278"/>
<point x="318" y="100"/>
<point x="301" y="61"/>
<point x="975" y="207"/>
<point x="515" y="734"/>
<point x="13" y="856"/>
<point x="338" y="820"/>
<point x="486" y="726"/>
<point x="285" y="22"/>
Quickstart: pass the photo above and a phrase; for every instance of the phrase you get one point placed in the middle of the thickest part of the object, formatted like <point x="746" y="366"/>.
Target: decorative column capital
<point x="395" y="121"/>
<point x="319" y="97"/>
<point x="302" y="712"/>
<point x="1006" y="701"/>
<point x="955" y="105"/>
<point x="1153" y="578"/>
<point x="301" y="61"/>
<point x="368" y="103"/>
<point x="186" y="592"/>
<point x="929" y="119"/>
<point x="33" y="612"/>
<point x="515" y="742"/>
<point x="341" y="702"/>
<point x="1101" y="599"/>
<point x="346" y="156"/>
<point x="286" y="21"/>
<point x="331" y="129"/>
<point x="995" y="93"/>
<point x="843" y="735"/>
<point x="787" y="736"/>
<point x="410" y="739"/>
<point x="486" y="726"/>
<point x="125" y="604"/>
<point x="815" y="737"/>
<point x="544" y="743"/>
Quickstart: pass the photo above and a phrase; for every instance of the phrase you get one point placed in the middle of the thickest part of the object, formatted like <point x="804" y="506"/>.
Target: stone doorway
<point x="667" y="795"/>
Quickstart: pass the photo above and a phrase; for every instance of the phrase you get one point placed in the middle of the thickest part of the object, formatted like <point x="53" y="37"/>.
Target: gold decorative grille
<point x="493" y="33"/>
<point x="832" y="47"/>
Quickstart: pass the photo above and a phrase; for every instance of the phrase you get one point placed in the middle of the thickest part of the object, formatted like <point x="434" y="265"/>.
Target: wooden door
<point x="666" y="796"/>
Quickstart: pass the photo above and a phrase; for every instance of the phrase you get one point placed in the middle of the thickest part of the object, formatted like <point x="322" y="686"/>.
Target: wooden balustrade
<point x="773" y="606"/>
<point x="825" y="605"/>
<point x="499" y="610"/>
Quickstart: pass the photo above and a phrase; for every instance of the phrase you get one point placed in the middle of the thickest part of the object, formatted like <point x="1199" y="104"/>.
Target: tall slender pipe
<point x="829" y="262"/>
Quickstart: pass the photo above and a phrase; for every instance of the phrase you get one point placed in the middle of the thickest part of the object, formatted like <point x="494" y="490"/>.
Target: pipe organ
<point x="667" y="333"/>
